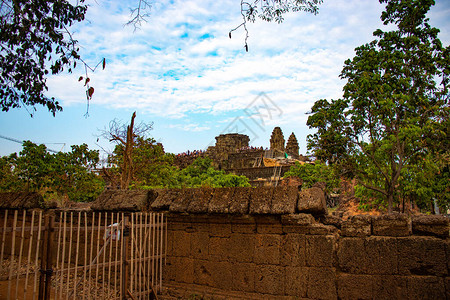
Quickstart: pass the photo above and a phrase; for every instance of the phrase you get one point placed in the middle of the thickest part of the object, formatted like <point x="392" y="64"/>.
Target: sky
<point x="182" y="72"/>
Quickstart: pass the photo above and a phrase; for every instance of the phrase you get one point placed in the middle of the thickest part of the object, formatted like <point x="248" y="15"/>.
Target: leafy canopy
<point x="35" y="38"/>
<point x="395" y="104"/>
<point x="313" y="173"/>
<point x="66" y="175"/>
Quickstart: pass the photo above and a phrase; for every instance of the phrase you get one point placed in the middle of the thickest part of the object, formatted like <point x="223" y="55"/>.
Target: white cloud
<point x="182" y="61"/>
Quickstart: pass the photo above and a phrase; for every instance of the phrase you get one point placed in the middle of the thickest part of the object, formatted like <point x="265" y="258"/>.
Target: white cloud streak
<point x="182" y="61"/>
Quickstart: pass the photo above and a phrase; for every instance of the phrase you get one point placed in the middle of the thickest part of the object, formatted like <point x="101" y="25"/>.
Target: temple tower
<point x="292" y="147"/>
<point x="277" y="139"/>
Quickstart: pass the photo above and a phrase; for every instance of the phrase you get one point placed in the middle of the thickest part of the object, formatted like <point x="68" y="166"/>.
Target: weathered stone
<point x="186" y="273"/>
<point x="422" y="256"/>
<point x="431" y="225"/>
<point x="322" y="283"/>
<point x="297" y="219"/>
<point x="219" y="248"/>
<point x="352" y="286"/>
<point x="220" y="202"/>
<point x="267" y="249"/>
<point x="200" y="200"/>
<point x="164" y="199"/>
<point x="226" y="144"/>
<point x="22" y="200"/>
<point x="220" y="229"/>
<point x="321" y="229"/>
<point x="200" y="244"/>
<point x="332" y="220"/>
<point x="297" y="223"/>
<point x="426" y="287"/>
<point x="372" y="255"/>
<point x="239" y="203"/>
<point x="243" y="248"/>
<point x="277" y="139"/>
<point x="292" y="147"/>
<point x="447" y="287"/>
<point x="181" y="203"/>
<point x="261" y="200"/>
<point x="390" y="287"/>
<point x="284" y="200"/>
<point x="182" y="245"/>
<point x="320" y="250"/>
<point x="222" y="274"/>
<point x="268" y="227"/>
<point x="269" y="279"/>
<point x="392" y="225"/>
<point x="244" y="277"/>
<point x="296" y="281"/>
<point x="121" y="200"/>
<point x="293" y="250"/>
<point x="359" y="225"/>
<point x="312" y="201"/>
<point x="202" y="270"/>
<point x="243" y="224"/>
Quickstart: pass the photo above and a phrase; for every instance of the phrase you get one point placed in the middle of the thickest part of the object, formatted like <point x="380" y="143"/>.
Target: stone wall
<point x="263" y="252"/>
<point x="291" y="257"/>
<point x="279" y="243"/>
<point x="244" y="159"/>
<point x="260" y="172"/>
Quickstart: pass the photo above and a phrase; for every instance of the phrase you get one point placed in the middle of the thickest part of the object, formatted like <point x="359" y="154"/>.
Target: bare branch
<point x="139" y="14"/>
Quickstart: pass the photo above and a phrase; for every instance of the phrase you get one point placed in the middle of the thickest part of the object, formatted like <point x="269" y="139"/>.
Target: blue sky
<point x="181" y="71"/>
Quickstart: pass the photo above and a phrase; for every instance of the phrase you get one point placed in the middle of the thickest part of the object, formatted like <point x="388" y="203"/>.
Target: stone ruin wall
<point x="259" y="172"/>
<point x="244" y="159"/>
<point x="278" y="243"/>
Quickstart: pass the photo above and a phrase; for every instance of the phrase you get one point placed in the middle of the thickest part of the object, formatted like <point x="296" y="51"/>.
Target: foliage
<point x="313" y="173"/>
<point x="394" y="112"/>
<point x="34" y="39"/>
<point x="66" y="174"/>
<point x="201" y="173"/>
<point x="128" y="139"/>
<point x="151" y="166"/>
<point x="272" y="11"/>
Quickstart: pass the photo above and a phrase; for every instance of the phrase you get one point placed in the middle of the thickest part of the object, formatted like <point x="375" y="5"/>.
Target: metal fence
<point x="80" y="255"/>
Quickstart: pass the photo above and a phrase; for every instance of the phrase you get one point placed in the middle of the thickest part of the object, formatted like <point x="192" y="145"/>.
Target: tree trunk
<point x="390" y="202"/>
<point x="127" y="167"/>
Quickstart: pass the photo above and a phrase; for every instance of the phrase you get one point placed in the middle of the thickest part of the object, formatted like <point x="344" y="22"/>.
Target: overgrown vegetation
<point x="313" y="173"/>
<point x="391" y="128"/>
<point x="60" y="176"/>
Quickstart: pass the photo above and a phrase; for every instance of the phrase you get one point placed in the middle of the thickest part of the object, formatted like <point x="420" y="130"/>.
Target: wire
<point x="21" y="142"/>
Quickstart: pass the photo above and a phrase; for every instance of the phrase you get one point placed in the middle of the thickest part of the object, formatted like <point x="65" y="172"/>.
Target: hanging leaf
<point x="87" y="81"/>
<point x="90" y="92"/>
<point x="246" y="48"/>
<point x="81" y="78"/>
<point x="229" y="34"/>
<point x="104" y="63"/>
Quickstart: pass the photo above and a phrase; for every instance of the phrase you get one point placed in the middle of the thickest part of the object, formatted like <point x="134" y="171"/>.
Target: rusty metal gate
<point x="80" y="255"/>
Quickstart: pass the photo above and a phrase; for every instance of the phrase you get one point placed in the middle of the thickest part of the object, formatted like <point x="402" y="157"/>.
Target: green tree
<point x="35" y="40"/>
<point x="72" y="174"/>
<point x="201" y="173"/>
<point x="9" y="181"/>
<point x="395" y="102"/>
<point x="313" y="173"/>
<point x="68" y="175"/>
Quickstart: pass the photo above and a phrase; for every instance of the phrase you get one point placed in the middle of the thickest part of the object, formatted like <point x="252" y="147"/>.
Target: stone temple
<point x="263" y="167"/>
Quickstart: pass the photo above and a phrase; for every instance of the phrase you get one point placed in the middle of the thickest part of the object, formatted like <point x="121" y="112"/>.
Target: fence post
<point x="124" y="275"/>
<point x="46" y="258"/>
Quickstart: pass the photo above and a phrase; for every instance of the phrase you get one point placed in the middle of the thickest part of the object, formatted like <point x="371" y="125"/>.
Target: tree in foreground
<point x="393" y="120"/>
<point x="35" y="40"/>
